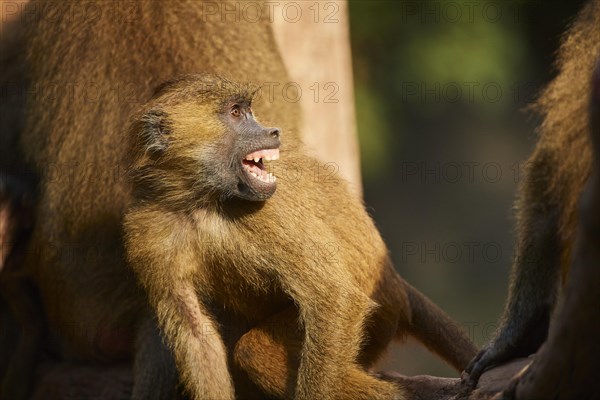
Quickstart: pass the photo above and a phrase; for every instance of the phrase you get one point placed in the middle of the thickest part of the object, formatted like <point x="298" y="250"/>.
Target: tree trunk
<point x="316" y="51"/>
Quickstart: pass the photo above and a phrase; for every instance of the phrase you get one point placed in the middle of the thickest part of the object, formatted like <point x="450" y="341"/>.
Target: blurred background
<point x="442" y="89"/>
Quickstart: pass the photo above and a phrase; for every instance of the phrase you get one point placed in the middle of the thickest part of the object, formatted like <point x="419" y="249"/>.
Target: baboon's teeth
<point x="257" y="171"/>
<point x="267" y="154"/>
<point x="252" y="163"/>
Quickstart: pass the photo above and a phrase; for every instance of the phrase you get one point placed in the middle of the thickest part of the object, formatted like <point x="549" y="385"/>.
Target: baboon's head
<point x="198" y="140"/>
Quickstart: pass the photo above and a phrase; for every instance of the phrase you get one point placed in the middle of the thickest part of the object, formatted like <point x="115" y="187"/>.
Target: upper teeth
<point x="269" y="154"/>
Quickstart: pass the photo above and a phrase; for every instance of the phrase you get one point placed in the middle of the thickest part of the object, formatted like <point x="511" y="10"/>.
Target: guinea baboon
<point x="288" y="271"/>
<point x="547" y="202"/>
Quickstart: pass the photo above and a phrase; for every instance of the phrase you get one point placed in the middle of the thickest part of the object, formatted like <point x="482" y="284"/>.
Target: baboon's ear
<point x="155" y="131"/>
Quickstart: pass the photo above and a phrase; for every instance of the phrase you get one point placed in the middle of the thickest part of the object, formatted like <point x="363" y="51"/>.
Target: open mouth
<point x="255" y="168"/>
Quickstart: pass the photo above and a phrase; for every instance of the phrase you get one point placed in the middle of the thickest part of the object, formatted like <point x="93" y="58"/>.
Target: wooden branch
<point x="491" y="384"/>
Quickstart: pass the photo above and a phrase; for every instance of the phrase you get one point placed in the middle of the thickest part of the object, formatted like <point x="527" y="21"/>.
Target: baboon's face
<point x="206" y="149"/>
<point x="251" y="145"/>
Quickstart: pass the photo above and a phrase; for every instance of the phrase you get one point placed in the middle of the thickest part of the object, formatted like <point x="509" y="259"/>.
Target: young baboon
<point x="282" y="277"/>
<point x="547" y="204"/>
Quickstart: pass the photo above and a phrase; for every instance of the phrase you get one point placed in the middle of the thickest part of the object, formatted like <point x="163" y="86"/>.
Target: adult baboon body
<point x="88" y="66"/>
<point x="548" y="197"/>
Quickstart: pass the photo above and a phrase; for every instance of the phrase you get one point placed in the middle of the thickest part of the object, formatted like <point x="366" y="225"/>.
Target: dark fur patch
<point x="154" y="131"/>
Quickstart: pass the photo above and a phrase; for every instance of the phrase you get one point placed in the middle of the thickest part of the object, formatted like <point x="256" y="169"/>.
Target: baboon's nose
<point x="274" y="133"/>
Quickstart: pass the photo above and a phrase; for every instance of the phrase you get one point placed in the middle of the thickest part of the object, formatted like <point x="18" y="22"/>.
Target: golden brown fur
<point x="548" y="196"/>
<point x="564" y="104"/>
<point x="300" y="284"/>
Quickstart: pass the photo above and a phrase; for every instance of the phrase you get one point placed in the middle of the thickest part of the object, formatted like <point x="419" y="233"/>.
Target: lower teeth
<point x="258" y="174"/>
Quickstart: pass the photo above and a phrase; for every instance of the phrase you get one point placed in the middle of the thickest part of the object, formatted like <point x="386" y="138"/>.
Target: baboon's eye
<point x="235" y="111"/>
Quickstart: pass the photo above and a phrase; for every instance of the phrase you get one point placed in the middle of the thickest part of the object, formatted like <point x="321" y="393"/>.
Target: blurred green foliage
<point x="441" y="46"/>
<point x="375" y="133"/>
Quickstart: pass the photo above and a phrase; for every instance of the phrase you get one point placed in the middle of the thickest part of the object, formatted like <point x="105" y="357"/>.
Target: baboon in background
<point x="88" y="65"/>
<point x="547" y="204"/>
<point x="225" y="251"/>
<point x="566" y="367"/>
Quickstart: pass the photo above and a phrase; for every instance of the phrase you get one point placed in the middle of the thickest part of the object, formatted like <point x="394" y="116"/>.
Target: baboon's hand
<point x="491" y="354"/>
<point x="521" y="335"/>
